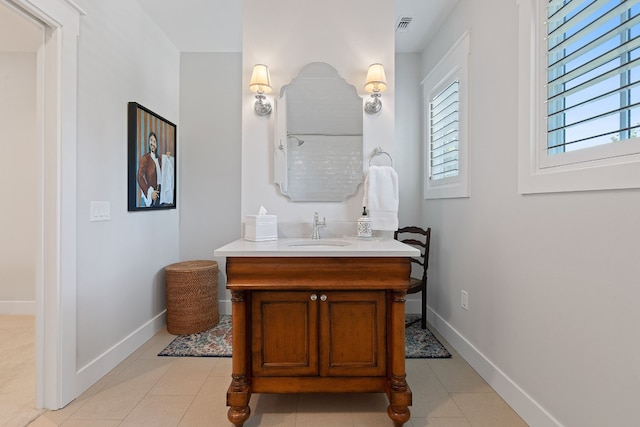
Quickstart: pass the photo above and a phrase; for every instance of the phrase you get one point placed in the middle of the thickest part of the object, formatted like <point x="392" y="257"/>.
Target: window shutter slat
<point x="605" y="58"/>
<point x="593" y="72"/>
<point x="565" y="29"/>
<point x="444" y="125"/>
<point x="575" y="54"/>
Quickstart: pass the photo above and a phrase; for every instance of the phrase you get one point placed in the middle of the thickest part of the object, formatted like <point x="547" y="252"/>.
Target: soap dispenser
<point x="364" y="224"/>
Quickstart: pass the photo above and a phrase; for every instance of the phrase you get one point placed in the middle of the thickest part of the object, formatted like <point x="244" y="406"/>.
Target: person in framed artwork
<point x="150" y="173"/>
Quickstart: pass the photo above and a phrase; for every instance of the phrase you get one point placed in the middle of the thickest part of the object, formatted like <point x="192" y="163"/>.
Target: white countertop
<point x="305" y="247"/>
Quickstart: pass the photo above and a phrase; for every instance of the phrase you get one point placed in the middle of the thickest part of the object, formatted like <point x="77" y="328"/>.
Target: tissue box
<point x="260" y="228"/>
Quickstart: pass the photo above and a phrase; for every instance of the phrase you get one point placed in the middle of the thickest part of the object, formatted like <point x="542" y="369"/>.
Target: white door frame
<point x="56" y="372"/>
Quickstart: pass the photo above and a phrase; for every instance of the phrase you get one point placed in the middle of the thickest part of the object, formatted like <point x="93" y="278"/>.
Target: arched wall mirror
<point x="318" y="136"/>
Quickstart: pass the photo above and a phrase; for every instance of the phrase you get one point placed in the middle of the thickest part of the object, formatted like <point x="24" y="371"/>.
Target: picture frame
<point x="152" y="160"/>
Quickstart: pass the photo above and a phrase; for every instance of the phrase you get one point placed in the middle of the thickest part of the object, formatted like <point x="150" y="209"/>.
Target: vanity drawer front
<point x="284" y="337"/>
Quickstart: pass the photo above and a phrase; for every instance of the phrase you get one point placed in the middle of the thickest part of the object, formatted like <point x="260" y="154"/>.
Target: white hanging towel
<point x="168" y="179"/>
<point x="381" y="197"/>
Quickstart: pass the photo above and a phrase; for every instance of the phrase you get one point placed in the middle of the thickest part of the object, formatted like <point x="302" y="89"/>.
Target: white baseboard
<point x="18" y="307"/>
<point x="528" y="409"/>
<point x="103" y="364"/>
<point x="224" y="306"/>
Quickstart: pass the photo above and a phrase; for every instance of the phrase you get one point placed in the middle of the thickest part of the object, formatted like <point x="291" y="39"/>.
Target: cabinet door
<point x="353" y="331"/>
<point x="284" y="333"/>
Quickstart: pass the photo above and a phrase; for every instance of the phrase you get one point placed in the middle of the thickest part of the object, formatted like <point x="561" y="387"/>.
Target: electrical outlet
<point x="464" y="300"/>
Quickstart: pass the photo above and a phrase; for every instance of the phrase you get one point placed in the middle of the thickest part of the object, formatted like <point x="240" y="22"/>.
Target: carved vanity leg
<point x="399" y="401"/>
<point x="398" y="390"/>
<point x="239" y="391"/>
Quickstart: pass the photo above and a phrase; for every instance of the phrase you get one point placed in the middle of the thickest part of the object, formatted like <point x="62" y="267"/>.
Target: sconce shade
<point x="376" y="79"/>
<point x="260" y="80"/>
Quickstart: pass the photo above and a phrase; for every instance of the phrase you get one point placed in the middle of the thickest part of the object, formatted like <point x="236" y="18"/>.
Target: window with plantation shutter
<point x="580" y="86"/>
<point x="445" y="142"/>
<point x="593" y="73"/>
<point x="443" y="125"/>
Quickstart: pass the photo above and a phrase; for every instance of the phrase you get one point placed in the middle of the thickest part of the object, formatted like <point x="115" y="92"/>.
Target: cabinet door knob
<point x="313" y="297"/>
<point x="323" y="297"/>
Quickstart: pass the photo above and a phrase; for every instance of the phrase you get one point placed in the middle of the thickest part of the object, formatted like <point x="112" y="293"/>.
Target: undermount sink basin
<point x="319" y="243"/>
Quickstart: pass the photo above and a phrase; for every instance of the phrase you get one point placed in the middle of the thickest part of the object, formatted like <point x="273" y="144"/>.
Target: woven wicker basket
<point x="192" y="296"/>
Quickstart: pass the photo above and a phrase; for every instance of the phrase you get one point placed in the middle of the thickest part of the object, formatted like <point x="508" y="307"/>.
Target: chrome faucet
<point x="316" y="225"/>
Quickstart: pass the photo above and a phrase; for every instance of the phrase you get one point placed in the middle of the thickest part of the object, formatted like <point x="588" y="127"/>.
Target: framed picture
<point x="151" y="160"/>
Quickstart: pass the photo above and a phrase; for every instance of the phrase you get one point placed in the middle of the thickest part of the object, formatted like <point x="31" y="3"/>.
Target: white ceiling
<point x="427" y="16"/>
<point x="216" y="25"/>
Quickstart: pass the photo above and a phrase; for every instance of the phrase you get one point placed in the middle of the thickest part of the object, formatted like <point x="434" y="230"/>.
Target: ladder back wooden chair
<point x="420" y="239"/>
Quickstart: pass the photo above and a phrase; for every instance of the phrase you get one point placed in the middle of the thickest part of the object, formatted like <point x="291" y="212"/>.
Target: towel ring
<point x="379" y="152"/>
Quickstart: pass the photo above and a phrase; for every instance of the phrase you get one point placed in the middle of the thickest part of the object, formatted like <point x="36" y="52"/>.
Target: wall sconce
<point x="375" y="84"/>
<point x="261" y="83"/>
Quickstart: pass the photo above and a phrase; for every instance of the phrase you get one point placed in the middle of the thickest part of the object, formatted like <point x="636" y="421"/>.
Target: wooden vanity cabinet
<point x="318" y="324"/>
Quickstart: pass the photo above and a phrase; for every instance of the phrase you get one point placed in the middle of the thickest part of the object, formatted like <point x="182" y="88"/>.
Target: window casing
<point x="579" y="69"/>
<point x="445" y="141"/>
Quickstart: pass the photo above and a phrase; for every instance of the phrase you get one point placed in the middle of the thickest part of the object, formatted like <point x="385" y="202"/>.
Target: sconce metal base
<point x="262" y="106"/>
<point x="373" y="105"/>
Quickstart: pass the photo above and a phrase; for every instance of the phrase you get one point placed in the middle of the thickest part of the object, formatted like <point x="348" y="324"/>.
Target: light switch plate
<point x="100" y="211"/>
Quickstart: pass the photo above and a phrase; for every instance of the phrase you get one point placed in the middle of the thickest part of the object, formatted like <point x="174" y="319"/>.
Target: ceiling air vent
<point x="403" y="24"/>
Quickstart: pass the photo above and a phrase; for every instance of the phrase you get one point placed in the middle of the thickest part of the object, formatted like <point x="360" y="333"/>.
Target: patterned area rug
<point x="216" y="342"/>
<point x="421" y="343"/>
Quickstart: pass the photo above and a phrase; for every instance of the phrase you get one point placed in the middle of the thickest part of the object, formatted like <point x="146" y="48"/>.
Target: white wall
<point x="336" y="32"/>
<point x="19" y="174"/>
<point x="210" y="155"/>
<point x="17" y="34"/>
<point x="211" y="113"/>
<point x="409" y="152"/>
<point x="19" y="41"/>
<point x="552" y="278"/>
<point x="122" y="57"/>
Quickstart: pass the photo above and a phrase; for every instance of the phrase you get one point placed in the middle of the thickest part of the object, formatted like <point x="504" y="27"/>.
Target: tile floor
<point x="146" y="390"/>
<point x="17" y="370"/>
